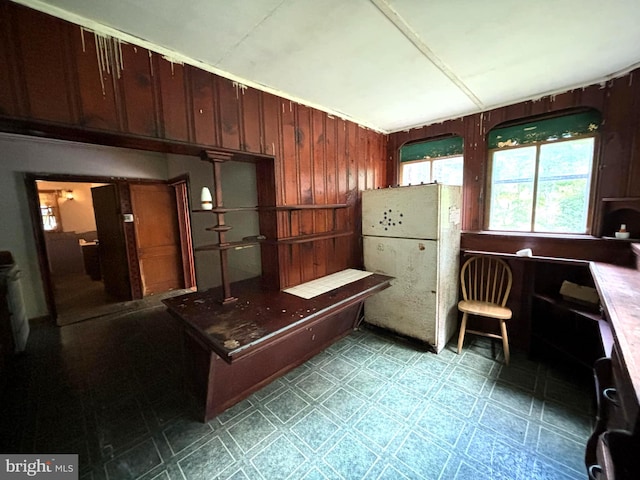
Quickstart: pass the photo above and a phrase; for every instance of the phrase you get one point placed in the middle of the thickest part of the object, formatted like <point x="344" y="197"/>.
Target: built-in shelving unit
<point x="314" y="237"/>
<point x="222" y="246"/>
<point x="617" y="211"/>
<point x="563" y="328"/>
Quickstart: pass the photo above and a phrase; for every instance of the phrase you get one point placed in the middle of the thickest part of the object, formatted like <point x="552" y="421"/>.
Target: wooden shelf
<point x="613" y="204"/>
<point x="227" y="246"/>
<point x="313" y="237"/>
<point x="329" y="206"/>
<point x="568" y="331"/>
<point x="568" y="306"/>
<point x="226" y="210"/>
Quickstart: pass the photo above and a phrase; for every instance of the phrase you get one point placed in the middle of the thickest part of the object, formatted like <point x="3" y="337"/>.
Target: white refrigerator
<point x="413" y="234"/>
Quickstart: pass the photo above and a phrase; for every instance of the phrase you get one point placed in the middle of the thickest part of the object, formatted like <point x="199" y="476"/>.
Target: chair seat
<point x="484" y="309"/>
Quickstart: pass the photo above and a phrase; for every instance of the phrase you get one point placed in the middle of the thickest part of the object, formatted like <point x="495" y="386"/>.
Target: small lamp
<point x="205" y="199"/>
<point x="68" y="194"/>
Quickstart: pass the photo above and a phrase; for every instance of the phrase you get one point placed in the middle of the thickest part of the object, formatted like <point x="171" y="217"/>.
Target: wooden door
<point x="112" y="247"/>
<point x="157" y="237"/>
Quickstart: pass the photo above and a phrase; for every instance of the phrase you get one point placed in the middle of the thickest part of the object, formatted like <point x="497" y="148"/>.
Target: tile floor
<point x="369" y="407"/>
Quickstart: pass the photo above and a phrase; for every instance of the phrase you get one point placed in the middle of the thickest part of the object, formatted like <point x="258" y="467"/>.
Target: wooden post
<point x="217" y="158"/>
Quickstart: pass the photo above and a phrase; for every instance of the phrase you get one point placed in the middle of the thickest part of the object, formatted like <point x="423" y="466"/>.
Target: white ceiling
<point x="386" y="64"/>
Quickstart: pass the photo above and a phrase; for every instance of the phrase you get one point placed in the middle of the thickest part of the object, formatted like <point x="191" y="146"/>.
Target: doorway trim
<point x="122" y="183"/>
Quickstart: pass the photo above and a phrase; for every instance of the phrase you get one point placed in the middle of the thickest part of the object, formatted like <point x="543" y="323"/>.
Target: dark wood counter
<point x="619" y="289"/>
<point x="233" y="350"/>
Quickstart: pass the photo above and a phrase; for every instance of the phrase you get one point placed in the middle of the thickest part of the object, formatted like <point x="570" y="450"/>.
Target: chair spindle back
<point x="486" y="279"/>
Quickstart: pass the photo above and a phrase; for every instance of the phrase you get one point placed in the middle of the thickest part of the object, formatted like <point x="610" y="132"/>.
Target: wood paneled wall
<point x="618" y="173"/>
<point x="62" y="81"/>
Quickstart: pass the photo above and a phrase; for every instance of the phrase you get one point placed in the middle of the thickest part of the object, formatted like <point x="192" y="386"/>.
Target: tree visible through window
<point x="544" y="185"/>
<point x="432" y="161"/>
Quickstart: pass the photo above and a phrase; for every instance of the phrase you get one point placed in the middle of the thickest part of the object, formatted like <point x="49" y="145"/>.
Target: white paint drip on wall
<point x="239" y="87"/>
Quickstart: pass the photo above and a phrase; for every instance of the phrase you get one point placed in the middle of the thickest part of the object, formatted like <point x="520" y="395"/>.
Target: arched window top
<point x="437" y="160"/>
<point x="442" y="147"/>
<point x="545" y="130"/>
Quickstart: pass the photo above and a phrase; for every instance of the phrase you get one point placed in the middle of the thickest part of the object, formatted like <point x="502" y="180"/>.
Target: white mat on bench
<point x="325" y="284"/>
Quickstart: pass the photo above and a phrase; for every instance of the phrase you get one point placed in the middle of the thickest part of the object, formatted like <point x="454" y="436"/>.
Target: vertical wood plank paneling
<point x="331" y="168"/>
<point x="353" y="142"/>
<point x="333" y="174"/>
<point x="43" y="66"/>
<point x="98" y="107"/>
<point x="319" y="181"/>
<point x="10" y="93"/>
<point x="202" y="106"/>
<point x="593" y="96"/>
<point x="272" y="109"/>
<point x="251" y="126"/>
<point x="228" y="100"/>
<point x="138" y="92"/>
<point x="617" y="139"/>
<point x="303" y="139"/>
<point x="272" y="128"/>
<point x="319" y="144"/>
<point x="474" y="192"/>
<point x="289" y="158"/>
<point x="342" y="160"/>
<point x="171" y="80"/>
<point x="381" y="172"/>
<point x="290" y="254"/>
<point x="563" y="101"/>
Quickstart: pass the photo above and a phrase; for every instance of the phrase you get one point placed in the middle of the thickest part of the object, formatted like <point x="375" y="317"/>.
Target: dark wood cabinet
<point x="612" y="450"/>
<point x="565" y="329"/>
<point x="235" y="349"/>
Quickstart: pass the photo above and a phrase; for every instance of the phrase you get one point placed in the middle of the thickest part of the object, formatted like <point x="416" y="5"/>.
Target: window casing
<point x="543" y="184"/>
<point x="431" y="161"/>
<point x="50" y="211"/>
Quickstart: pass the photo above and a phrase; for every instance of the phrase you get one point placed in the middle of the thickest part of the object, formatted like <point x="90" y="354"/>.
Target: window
<point x="541" y="174"/>
<point x="432" y="161"/>
<point x="49" y="211"/>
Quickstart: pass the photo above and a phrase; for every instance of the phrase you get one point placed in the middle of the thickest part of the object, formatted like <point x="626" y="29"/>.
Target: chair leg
<point x="505" y="341"/>
<point x="463" y="328"/>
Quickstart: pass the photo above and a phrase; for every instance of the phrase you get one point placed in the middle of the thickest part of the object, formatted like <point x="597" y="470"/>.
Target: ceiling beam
<point x="394" y="17"/>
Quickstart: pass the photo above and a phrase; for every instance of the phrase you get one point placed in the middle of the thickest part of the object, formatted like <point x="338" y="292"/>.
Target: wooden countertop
<point x="619" y="289"/>
<point x="260" y="314"/>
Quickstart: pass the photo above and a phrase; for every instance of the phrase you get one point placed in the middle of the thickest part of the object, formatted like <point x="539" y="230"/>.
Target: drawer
<point x="617" y="457"/>
<point x="625" y="393"/>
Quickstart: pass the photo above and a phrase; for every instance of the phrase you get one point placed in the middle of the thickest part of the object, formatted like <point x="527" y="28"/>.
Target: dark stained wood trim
<point x="135" y="276"/>
<point x="41" y="247"/>
<point x="181" y="187"/>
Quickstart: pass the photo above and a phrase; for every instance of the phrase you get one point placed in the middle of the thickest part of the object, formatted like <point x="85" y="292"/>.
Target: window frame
<point x="591" y="201"/>
<point x="430" y="160"/>
<point x="55" y="210"/>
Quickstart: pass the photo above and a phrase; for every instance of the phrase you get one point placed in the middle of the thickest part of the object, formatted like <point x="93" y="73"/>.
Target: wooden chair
<point x="486" y="284"/>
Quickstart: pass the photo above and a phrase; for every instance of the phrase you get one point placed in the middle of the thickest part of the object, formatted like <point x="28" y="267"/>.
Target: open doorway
<point x="94" y="247"/>
<point x="71" y="241"/>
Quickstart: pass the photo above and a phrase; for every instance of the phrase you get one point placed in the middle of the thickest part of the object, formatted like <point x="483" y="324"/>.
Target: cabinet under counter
<point x="235" y="349"/>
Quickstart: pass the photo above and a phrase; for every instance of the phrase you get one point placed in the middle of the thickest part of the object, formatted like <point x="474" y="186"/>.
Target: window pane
<point x="448" y="170"/>
<point x="512" y="179"/>
<point x="49" y="221"/>
<point x="416" y="172"/>
<point x="564" y="180"/>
